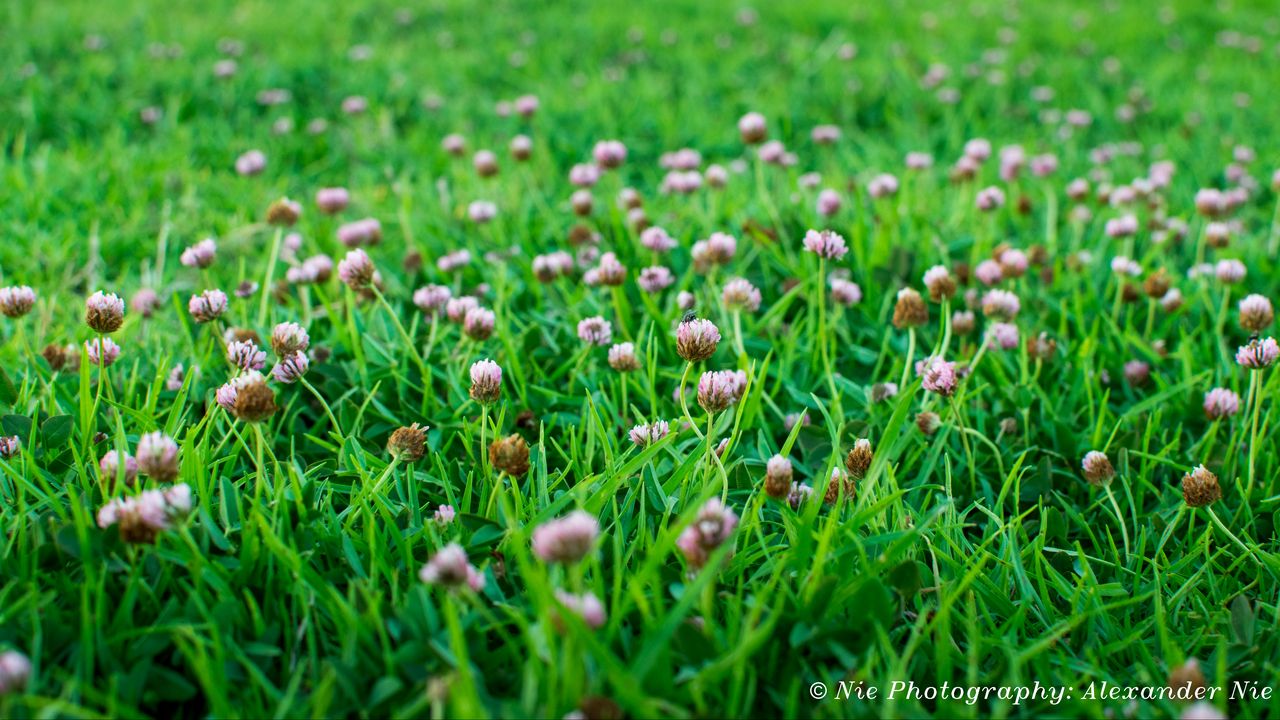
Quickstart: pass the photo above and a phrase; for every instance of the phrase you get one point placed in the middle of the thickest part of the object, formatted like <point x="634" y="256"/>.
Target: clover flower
<point x="408" y="443"/>
<point x="15" y="672"/>
<point x="1003" y="335"/>
<point x="1258" y="354"/>
<point x="586" y="606"/>
<point x="595" y="331"/>
<point x="478" y="323"/>
<point x="825" y="244"/>
<point x="609" y="154"/>
<point x="711" y="529"/>
<point x="719" y="390"/>
<point x="753" y="128"/>
<point x="937" y="375"/>
<point x="988" y="272"/>
<point x="882" y="186"/>
<point x="909" y="310"/>
<point x="1221" y="403"/>
<point x="102" y="351"/>
<point x="449" y="568"/>
<point x="104" y="312"/>
<point x="290" y="368"/>
<point x="1097" y="468"/>
<point x="251" y="163"/>
<point x="845" y="292"/>
<point x="656" y="239"/>
<point x="356" y="270"/>
<point x="207" y="306"/>
<point x="566" y="540"/>
<point x="510" y="455"/>
<point x="245" y="355"/>
<point x="940" y="283"/>
<point x="332" y="200"/>
<point x="248" y="397"/>
<point x="649" y="433"/>
<point x="740" y="294"/>
<point x="655" y="279"/>
<point x="17" y="301"/>
<point x="283" y="212"/>
<point x="777" y="477"/>
<point x="622" y="357"/>
<point x="1200" y="487"/>
<point x="989" y="199"/>
<point x="486" y="381"/>
<point x="697" y="339"/>
<point x="365" y="231"/>
<point x="1256" y="313"/>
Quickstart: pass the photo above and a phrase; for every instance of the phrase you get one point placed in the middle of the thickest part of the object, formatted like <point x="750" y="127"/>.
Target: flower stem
<point x="1222" y="526"/>
<point x="333" y="420"/>
<point x="911" y="353"/>
<point x="619" y="310"/>
<point x="968" y="451"/>
<point x="1255" y="402"/>
<point x="624" y="378"/>
<point x="1124" y="531"/>
<point x="404" y="335"/>
<point x="684" y="406"/>
<point x="484" y="445"/>
<point x="824" y="349"/>
<point x="265" y="290"/>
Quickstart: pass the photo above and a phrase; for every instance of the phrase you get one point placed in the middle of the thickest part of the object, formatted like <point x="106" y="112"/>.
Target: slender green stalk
<point x="911" y="355"/>
<point x="337" y="428"/>
<point x="1255" y="405"/>
<point x="684" y="406"/>
<point x="265" y="291"/>
<point x="1124" y="531"/>
<point x="404" y="337"/>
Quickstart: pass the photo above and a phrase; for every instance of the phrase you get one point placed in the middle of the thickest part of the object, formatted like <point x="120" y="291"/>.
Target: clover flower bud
<point x="1200" y="487"/>
<point x="17" y="301"/>
<point x="486" y="381"/>
<point x="408" y="443"/>
<point x="566" y="540"/>
<point x="909" y="310"/>
<point x="157" y="457"/>
<point x="1097" y="468"/>
<point x="104" y="312"/>
<point x="777" y="477"/>
<point x="207" y="306"/>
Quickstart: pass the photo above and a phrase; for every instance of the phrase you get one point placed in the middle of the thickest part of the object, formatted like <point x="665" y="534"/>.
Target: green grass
<point x="978" y="556"/>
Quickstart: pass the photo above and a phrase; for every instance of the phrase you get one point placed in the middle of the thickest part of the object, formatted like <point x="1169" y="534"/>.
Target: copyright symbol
<point x="818" y="691"/>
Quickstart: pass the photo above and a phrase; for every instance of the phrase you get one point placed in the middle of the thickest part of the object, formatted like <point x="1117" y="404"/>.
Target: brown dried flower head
<point x="1041" y="347"/>
<point x="841" y="484"/>
<point x="408" y="443"/>
<point x="777" y="477"/>
<point x="255" y="400"/>
<point x="1156" y="284"/>
<point x="55" y="355"/>
<point x="1097" y="467"/>
<point x="283" y="212"/>
<point x="859" y="458"/>
<point x="1187" y="675"/>
<point x="104" y="312"/>
<point x="1200" y="487"/>
<point x="134" y="530"/>
<point x="510" y="455"/>
<point x="910" y="310"/>
<point x="928" y="423"/>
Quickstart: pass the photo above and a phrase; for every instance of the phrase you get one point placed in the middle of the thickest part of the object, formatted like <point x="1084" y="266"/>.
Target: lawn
<point x="672" y="359"/>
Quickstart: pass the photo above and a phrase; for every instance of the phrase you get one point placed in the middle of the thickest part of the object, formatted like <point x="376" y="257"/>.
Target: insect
<point x="689" y="316"/>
